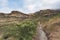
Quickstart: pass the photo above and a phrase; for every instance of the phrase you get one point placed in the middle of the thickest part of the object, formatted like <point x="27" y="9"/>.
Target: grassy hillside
<point x="20" y="26"/>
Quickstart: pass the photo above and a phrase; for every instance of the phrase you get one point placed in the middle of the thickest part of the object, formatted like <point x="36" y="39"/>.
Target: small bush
<point x="27" y="29"/>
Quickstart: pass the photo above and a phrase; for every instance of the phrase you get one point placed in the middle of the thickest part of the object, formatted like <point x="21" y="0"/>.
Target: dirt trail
<point x="41" y="35"/>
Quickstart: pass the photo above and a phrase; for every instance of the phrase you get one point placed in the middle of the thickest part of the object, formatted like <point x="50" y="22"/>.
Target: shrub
<point x="27" y="30"/>
<point x="23" y="31"/>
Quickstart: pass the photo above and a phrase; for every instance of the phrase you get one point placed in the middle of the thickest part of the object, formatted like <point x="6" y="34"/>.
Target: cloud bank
<point x="28" y="6"/>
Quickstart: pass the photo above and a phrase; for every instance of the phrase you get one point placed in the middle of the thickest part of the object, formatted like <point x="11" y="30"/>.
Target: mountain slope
<point x="50" y="20"/>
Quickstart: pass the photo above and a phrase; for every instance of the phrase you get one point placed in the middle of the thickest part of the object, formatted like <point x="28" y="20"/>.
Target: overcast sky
<point x="28" y="6"/>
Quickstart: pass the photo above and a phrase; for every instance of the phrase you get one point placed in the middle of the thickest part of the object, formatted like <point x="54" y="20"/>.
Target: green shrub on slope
<point x="23" y="31"/>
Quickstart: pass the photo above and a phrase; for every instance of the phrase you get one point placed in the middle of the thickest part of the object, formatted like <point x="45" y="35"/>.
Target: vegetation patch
<point x="22" y="31"/>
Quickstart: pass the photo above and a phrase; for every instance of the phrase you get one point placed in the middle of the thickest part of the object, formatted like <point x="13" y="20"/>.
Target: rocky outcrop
<point x="47" y="12"/>
<point x="13" y="16"/>
<point x="18" y="14"/>
<point x="52" y="28"/>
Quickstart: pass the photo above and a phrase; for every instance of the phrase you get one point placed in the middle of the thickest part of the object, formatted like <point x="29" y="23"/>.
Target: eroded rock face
<point x="18" y="14"/>
<point x="13" y="16"/>
<point x="53" y="31"/>
<point x="55" y="35"/>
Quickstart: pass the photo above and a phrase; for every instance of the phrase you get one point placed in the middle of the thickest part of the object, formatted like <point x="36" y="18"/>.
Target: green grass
<point x="22" y="31"/>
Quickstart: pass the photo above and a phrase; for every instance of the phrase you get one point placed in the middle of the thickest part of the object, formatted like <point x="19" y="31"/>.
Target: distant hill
<point x="13" y="16"/>
<point x="19" y="16"/>
<point x="47" y="12"/>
